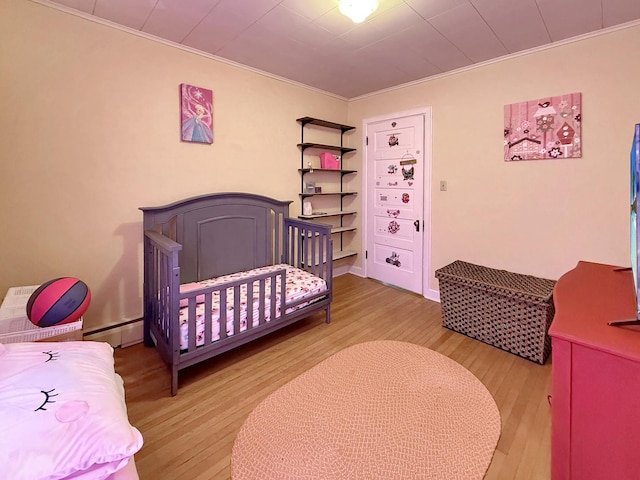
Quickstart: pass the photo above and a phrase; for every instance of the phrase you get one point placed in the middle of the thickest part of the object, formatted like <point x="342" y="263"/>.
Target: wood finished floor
<point x="190" y="436"/>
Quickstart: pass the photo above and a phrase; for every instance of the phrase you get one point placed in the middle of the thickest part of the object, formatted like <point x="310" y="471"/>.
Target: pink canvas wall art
<point x="196" y="114"/>
<point x="543" y="129"/>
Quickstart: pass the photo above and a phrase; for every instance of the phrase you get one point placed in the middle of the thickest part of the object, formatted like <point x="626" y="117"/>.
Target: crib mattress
<point x="299" y="285"/>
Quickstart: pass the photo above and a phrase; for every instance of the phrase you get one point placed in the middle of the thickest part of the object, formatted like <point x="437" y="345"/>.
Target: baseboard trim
<point x="123" y="335"/>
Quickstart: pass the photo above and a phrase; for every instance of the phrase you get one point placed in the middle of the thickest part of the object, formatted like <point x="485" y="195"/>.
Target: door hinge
<point x="366" y="254"/>
<point x="367" y="140"/>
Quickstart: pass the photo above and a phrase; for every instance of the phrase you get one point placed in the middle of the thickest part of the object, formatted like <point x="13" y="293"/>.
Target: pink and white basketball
<point x="58" y="301"/>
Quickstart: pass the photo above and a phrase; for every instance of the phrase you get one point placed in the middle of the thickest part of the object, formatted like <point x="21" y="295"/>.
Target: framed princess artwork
<point x="196" y="114"/>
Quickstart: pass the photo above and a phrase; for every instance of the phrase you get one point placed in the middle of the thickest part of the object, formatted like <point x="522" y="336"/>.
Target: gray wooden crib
<point x="194" y="307"/>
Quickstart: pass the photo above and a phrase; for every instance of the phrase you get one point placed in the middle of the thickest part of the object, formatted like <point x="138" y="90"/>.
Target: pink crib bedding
<point x="299" y="285"/>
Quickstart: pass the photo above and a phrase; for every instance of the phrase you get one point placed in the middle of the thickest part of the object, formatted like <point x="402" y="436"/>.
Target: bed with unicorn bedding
<point x="63" y="413"/>
<point x="234" y="259"/>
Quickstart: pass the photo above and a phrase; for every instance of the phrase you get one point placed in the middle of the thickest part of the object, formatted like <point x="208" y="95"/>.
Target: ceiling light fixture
<point x="357" y="10"/>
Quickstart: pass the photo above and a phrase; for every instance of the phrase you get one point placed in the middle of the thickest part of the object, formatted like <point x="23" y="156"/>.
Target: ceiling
<point x="311" y="42"/>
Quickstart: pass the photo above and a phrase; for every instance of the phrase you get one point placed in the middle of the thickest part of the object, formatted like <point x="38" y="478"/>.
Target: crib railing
<point x="309" y="247"/>
<point x="264" y="303"/>
<point x="161" y="278"/>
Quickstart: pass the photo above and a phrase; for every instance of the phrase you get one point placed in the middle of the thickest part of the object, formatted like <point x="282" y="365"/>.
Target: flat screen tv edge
<point x="634" y="181"/>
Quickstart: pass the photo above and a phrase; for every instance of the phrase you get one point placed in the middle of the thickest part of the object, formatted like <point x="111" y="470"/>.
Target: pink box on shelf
<point x="329" y="161"/>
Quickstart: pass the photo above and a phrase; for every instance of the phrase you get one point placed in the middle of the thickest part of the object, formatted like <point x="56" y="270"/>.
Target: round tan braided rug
<point x="375" y="410"/>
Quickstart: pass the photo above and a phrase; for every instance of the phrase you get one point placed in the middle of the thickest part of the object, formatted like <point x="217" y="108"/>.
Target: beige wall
<point x="535" y="217"/>
<point x="90" y="132"/>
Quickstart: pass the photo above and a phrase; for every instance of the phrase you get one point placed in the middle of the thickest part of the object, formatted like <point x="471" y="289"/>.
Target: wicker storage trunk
<point x="507" y="310"/>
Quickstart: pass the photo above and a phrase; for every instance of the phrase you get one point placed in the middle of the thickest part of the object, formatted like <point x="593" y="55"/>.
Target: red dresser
<point x="595" y="376"/>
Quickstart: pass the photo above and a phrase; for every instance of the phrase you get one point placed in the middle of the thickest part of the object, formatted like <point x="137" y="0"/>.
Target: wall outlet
<point x="443" y="185"/>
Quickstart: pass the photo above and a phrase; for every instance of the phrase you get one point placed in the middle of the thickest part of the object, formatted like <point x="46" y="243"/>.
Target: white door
<point x="395" y="191"/>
